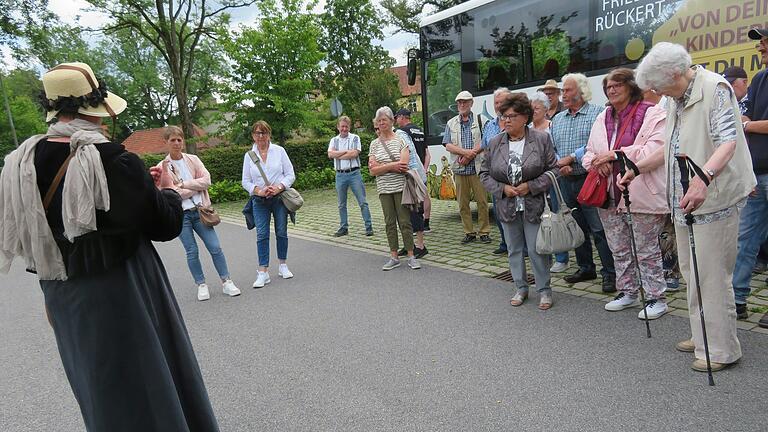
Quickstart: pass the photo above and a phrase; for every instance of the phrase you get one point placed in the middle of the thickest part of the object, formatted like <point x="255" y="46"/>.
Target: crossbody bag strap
<point x="56" y="181"/>
<point x="257" y="162"/>
<point x="386" y="149"/>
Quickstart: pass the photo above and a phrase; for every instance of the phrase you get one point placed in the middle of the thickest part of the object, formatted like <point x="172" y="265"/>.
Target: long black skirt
<point x="126" y="350"/>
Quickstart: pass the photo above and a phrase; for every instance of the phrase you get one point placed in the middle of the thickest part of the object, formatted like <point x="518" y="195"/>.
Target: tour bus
<point x="481" y="45"/>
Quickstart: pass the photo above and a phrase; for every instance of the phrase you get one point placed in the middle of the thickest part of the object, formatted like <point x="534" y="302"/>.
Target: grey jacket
<point x="538" y="157"/>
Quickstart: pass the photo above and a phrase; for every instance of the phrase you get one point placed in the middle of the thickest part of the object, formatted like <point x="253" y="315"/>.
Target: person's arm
<point x="247" y="181"/>
<point x="450" y="147"/>
<point x="490" y="184"/>
<point x="427" y="158"/>
<point x="542" y="183"/>
<point x="332" y="152"/>
<point x="202" y="180"/>
<point x="288" y="175"/>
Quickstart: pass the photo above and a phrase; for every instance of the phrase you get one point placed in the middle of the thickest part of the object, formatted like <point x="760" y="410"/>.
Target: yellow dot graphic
<point x="634" y="49"/>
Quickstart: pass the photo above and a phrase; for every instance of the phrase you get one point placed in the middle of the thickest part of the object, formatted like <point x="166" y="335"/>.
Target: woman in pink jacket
<point x="636" y="128"/>
<point x="191" y="180"/>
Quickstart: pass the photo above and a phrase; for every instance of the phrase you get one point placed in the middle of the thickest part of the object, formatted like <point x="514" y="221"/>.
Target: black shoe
<point x="500" y="251"/>
<point x="369" y="232"/>
<point x="341" y="232"/>
<point x="419" y="252"/>
<point x="468" y="238"/>
<point x="402" y="252"/>
<point x="609" y="283"/>
<point x="484" y="238"/>
<point x="763" y="321"/>
<point x="580" y="276"/>
<point x="426" y="227"/>
<point x="741" y="311"/>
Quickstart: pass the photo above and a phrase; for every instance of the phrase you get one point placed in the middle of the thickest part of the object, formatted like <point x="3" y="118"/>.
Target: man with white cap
<point x="462" y="139"/>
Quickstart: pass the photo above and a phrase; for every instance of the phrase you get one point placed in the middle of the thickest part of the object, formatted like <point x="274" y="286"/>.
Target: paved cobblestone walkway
<point x="319" y="219"/>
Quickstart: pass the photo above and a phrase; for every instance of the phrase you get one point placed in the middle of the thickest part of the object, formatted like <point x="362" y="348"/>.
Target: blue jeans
<point x="561" y="257"/>
<point x="589" y="221"/>
<point x="192" y="225"/>
<point x="753" y="231"/>
<point x="352" y="180"/>
<point x="503" y="242"/>
<point x="263" y="208"/>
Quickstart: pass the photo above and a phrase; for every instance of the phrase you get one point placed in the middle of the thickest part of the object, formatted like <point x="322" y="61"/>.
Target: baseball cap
<point x="405" y="112"/>
<point x="464" y="95"/>
<point x="733" y="73"/>
<point x="757" y="33"/>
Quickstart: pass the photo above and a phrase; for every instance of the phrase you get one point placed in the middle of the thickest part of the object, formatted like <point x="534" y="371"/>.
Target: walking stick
<point x="686" y="165"/>
<point x="623" y="163"/>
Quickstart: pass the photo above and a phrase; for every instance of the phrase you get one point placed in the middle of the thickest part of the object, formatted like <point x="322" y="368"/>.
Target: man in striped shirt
<point x="570" y="133"/>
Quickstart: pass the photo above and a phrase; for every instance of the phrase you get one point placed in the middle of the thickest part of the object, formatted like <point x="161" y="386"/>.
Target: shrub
<point x="314" y="179"/>
<point x="226" y="190"/>
<point x="151" y="160"/>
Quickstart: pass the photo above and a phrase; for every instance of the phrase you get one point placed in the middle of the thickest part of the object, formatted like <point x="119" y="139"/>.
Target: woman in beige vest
<point x="703" y="122"/>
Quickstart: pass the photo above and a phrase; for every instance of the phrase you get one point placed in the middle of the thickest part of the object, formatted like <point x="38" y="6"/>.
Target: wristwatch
<point x="710" y="173"/>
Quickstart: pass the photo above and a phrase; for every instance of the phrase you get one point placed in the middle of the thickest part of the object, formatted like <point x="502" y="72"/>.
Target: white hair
<point x="384" y="111"/>
<point x="539" y="96"/>
<point x="581" y="83"/>
<point x="658" y="68"/>
<point x="500" y="90"/>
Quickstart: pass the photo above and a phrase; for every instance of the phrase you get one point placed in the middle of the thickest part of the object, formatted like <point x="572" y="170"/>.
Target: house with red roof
<point x="150" y="141"/>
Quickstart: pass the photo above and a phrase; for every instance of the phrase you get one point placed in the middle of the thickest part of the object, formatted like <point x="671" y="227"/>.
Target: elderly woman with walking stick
<point x="636" y="129"/>
<point x="703" y="123"/>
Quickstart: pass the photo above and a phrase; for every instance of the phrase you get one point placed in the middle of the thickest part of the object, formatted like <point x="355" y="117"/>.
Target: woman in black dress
<point x="120" y="333"/>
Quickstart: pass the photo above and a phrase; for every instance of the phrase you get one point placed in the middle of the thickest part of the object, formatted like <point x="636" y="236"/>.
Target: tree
<point x="176" y="30"/>
<point x="23" y="88"/>
<point x="17" y="17"/>
<point x="381" y="89"/>
<point x="273" y="66"/>
<point x="350" y="27"/>
<point x="405" y="15"/>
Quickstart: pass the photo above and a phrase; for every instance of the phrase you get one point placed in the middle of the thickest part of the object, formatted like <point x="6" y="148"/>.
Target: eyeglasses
<point x="261" y="133"/>
<point x="376" y="129"/>
<point x="616" y="86"/>
<point x="507" y="117"/>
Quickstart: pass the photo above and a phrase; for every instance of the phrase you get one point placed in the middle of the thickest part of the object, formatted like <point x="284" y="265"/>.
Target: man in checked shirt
<point x="570" y="133"/>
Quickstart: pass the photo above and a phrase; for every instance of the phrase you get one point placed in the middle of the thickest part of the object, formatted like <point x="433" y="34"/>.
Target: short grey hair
<point x="658" y="68"/>
<point x="500" y="90"/>
<point x="539" y="96"/>
<point x="582" y="83"/>
<point x="384" y="111"/>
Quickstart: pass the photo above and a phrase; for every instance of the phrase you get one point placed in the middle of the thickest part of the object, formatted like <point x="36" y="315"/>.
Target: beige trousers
<point x="466" y="185"/>
<point x="716" y="256"/>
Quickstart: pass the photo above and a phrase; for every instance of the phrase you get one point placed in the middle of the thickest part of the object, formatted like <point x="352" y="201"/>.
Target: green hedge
<point x="310" y="163"/>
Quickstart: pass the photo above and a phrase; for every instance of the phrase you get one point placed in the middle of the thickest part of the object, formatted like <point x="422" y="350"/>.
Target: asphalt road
<point x="344" y="346"/>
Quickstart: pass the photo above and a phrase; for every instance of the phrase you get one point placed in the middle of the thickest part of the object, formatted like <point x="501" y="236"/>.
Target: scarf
<point x="25" y="231"/>
<point x="633" y="113"/>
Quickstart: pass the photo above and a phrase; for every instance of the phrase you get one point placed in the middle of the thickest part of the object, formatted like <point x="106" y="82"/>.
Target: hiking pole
<point x="623" y="163"/>
<point x="684" y="163"/>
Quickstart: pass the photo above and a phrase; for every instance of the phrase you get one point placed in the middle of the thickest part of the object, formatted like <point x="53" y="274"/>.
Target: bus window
<point x="508" y="43"/>
<point x="443" y="83"/>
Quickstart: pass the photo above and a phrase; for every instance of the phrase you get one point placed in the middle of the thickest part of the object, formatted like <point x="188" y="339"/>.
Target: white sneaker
<point x="558" y="267"/>
<point x="230" y="289"/>
<point x="655" y="308"/>
<point x="261" y="280"/>
<point x="621" y="302"/>
<point x="283" y="271"/>
<point x="202" y="292"/>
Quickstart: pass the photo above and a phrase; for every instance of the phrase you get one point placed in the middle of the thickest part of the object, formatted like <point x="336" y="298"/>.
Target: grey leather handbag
<point x="558" y="231"/>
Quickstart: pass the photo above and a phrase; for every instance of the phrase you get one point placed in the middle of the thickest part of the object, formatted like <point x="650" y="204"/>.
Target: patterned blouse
<point x="723" y="129"/>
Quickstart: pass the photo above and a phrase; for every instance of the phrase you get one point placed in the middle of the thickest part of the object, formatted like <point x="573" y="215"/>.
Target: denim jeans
<point x="561" y="257"/>
<point x="263" y="209"/>
<point x="589" y="221"/>
<point x="503" y="242"/>
<point x="753" y="231"/>
<point x="192" y="225"/>
<point x="352" y="180"/>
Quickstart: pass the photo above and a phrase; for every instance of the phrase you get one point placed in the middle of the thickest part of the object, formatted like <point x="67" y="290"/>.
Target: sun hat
<point x="77" y="80"/>
<point x="464" y="95"/>
<point x="549" y="85"/>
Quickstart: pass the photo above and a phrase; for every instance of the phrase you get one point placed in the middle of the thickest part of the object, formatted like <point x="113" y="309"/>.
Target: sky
<point x="70" y="10"/>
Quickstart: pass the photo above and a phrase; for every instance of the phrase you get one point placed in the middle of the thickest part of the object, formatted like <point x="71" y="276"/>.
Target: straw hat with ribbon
<point x="549" y="85"/>
<point x="77" y="80"/>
